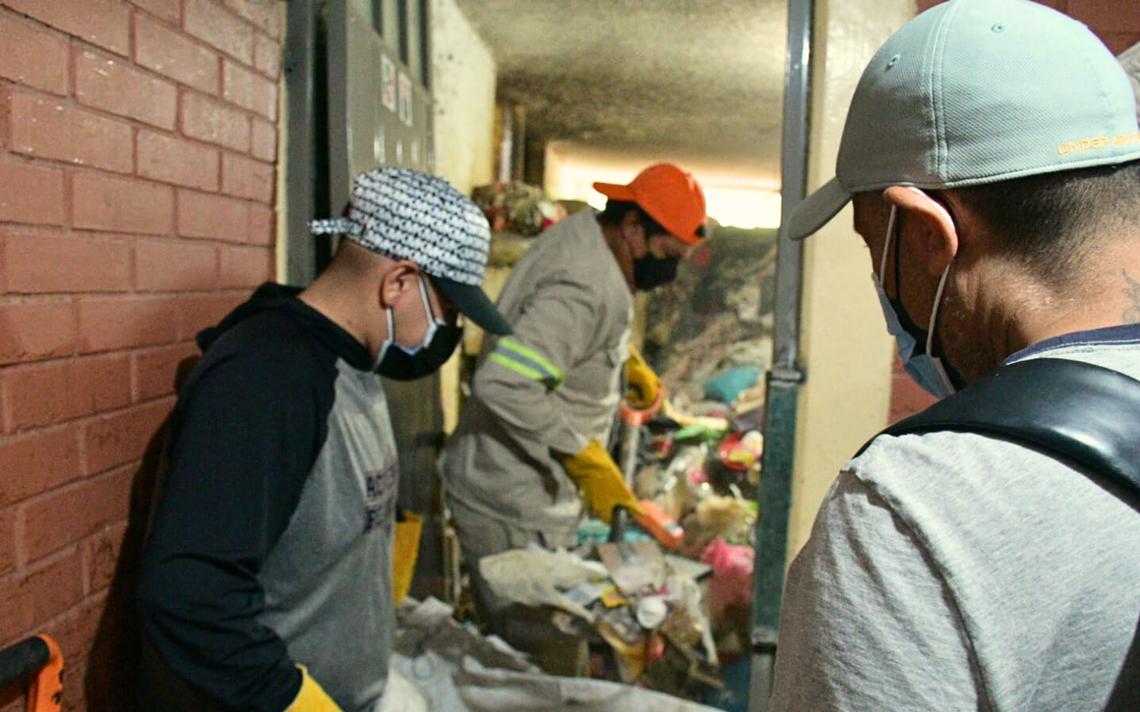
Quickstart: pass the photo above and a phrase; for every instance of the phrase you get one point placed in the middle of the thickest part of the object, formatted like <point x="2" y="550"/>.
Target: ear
<point x="398" y="281"/>
<point x="927" y="226"/>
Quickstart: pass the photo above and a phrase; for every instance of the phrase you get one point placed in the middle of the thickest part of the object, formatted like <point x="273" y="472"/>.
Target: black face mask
<point x="404" y="364"/>
<point x="650" y="272"/>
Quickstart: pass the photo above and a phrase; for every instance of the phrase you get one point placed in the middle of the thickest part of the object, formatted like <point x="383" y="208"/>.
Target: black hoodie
<point x="270" y="542"/>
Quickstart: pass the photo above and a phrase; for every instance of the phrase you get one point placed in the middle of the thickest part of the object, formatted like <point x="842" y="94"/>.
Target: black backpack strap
<point x="1084" y="413"/>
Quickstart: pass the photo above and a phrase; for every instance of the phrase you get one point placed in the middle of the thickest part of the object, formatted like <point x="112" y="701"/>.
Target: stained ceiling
<point x="682" y="80"/>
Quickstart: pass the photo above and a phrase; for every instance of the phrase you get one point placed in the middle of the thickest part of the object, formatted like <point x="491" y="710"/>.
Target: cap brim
<point x="473" y="303"/>
<point x="816" y="210"/>
<point x="615" y="191"/>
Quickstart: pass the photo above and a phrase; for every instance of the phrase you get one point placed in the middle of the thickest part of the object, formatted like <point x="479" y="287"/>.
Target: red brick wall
<point x="1117" y="23"/>
<point x="138" y="143"/>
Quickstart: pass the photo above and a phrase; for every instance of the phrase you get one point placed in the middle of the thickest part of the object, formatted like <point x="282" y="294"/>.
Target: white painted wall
<point x="846" y="349"/>
<point x="463" y="87"/>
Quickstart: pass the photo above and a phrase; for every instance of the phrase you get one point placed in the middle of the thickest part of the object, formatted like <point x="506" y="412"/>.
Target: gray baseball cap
<point x="978" y="91"/>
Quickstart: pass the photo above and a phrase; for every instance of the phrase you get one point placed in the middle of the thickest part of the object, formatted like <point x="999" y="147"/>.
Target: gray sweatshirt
<point x="955" y="571"/>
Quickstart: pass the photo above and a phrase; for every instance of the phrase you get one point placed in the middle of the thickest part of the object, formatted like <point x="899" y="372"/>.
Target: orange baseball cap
<point x="669" y="195"/>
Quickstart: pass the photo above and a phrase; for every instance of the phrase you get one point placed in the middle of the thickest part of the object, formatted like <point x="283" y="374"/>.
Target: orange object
<point x="659" y="524"/>
<point x="45" y="693"/>
<point x="669" y="195"/>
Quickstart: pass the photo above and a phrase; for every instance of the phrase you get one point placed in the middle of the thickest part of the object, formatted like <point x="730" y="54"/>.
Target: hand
<point x="600" y="480"/>
<point x="645" y="387"/>
<point x="312" y="697"/>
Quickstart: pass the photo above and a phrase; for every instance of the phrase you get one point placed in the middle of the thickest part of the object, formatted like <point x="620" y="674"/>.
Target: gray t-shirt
<point x="955" y="571"/>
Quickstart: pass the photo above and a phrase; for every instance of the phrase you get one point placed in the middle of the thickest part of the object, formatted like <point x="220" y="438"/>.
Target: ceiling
<point x="690" y="81"/>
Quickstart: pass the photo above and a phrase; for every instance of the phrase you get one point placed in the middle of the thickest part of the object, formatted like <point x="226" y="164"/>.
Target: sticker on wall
<point x="388" y="83"/>
<point x="405" y="99"/>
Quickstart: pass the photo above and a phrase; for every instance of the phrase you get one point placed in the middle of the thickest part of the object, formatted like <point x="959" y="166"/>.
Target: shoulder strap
<point x="1084" y="413"/>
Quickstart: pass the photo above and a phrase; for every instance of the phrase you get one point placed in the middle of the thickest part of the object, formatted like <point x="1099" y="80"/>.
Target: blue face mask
<point x="927" y="371"/>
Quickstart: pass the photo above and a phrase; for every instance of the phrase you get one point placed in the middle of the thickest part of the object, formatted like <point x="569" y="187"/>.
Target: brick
<point x="169" y="10"/>
<point x="249" y="91"/>
<point x="198" y="312"/>
<point x="97" y="384"/>
<point x="37" y="462"/>
<point x="35" y="330"/>
<point x="157" y="369"/>
<point x="246" y="266"/>
<point x="107" y="324"/>
<point x="214" y="122"/>
<point x="52" y="128"/>
<point x="103" y="556"/>
<point x="114" y="204"/>
<point x="1117" y="42"/>
<point x="106" y="23"/>
<point x="212" y="216"/>
<point x="74" y="632"/>
<point x="175" y="56"/>
<point x="40" y="595"/>
<point x="262" y="228"/>
<point x="122" y="438"/>
<point x="32" y="56"/>
<point x="67" y="515"/>
<point x="1117" y="16"/>
<point x="7" y="540"/>
<point x="266" y="14"/>
<point x="43" y="394"/>
<point x="117" y="87"/>
<point x="246" y="178"/>
<point x="267" y="56"/>
<point x="74" y="697"/>
<point x="216" y="26"/>
<point x="50" y="263"/>
<point x="264" y="141"/>
<point x="176" y="265"/>
<point x="173" y="160"/>
<point x="30" y="194"/>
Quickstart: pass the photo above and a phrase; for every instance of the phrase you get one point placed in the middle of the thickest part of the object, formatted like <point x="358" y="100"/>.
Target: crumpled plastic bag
<point x="532" y="576"/>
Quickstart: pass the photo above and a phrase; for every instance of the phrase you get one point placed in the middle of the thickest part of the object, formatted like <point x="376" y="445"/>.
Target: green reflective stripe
<point x="529" y="358"/>
<point x="516" y="367"/>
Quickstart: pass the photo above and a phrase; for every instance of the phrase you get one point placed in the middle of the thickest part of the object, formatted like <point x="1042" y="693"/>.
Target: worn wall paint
<point x="463" y="89"/>
<point x="846" y="348"/>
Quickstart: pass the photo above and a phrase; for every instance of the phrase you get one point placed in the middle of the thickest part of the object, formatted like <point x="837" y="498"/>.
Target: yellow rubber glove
<point x="312" y="697"/>
<point x="644" y="385"/>
<point x="600" y="480"/>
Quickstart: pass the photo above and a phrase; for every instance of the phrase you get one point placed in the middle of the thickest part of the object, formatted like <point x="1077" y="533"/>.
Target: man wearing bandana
<point x="533" y="434"/>
<point x="266" y="582"/>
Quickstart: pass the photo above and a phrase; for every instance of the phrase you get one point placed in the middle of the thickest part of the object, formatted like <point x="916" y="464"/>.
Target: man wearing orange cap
<point x="543" y="400"/>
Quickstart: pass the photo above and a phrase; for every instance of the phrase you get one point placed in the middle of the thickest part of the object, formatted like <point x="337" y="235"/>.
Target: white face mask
<point x="928" y="371"/>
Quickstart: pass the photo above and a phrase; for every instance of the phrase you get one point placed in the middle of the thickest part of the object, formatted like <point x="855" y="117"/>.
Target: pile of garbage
<point x="708" y="334"/>
<point x="440" y="665"/>
<point x="516" y="207"/>
<point x="662" y="596"/>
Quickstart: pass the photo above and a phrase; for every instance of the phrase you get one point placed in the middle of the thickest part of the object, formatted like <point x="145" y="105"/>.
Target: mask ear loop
<point x="887" y="244"/>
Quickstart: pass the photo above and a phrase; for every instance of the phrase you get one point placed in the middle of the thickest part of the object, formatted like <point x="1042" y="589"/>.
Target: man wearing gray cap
<point x="991" y="155"/>
<point x="266" y="581"/>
